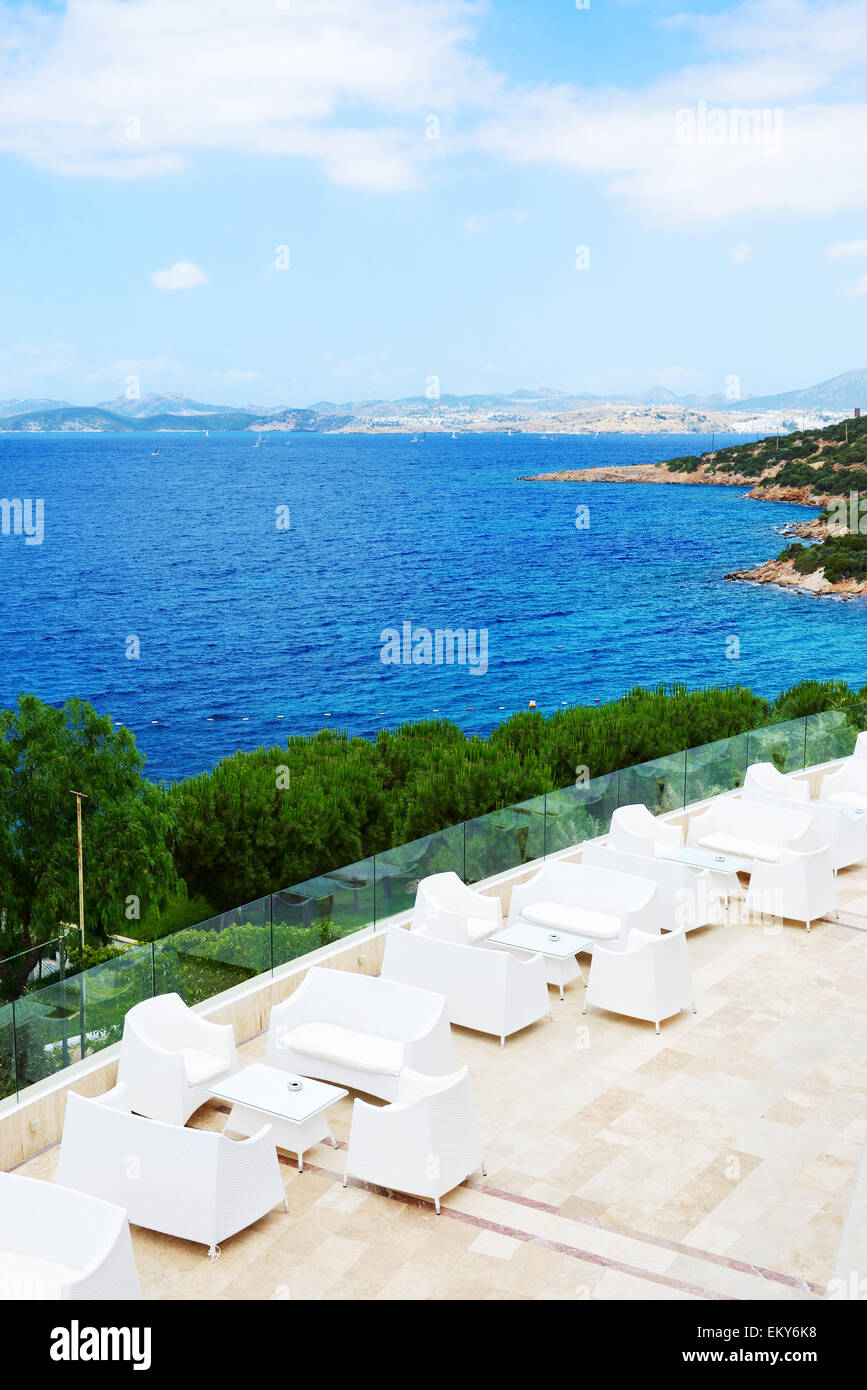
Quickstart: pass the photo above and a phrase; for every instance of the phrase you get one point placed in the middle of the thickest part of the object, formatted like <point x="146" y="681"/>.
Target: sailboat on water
<point x="155" y="453"/>
<point x="258" y="443"/>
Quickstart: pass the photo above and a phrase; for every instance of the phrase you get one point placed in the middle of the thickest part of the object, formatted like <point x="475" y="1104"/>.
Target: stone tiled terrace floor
<point x="712" y="1162"/>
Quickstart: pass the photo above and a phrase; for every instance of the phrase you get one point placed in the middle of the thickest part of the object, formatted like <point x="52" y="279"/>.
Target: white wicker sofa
<point x="843" y="827"/>
<point x="360" y="1032"/>
<point x="190" y="1183"/>
<point x="686" y="897"/>
<point x="586" y="901"/>
<point x="487" y="990"/>
<point x="751" y="830"/>
<point x="59" y="1244"/>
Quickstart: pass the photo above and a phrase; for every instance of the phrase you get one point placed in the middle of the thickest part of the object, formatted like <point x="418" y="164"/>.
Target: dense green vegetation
<point x="44" y="753"/>
<point x="841" y="557"/>
<point x="841" y="450"/>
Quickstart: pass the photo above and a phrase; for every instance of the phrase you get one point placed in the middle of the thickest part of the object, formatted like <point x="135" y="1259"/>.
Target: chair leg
<point x="657" y="1029"/>
<point x="345" y="1179"/>
<point x="484" y="1169"/>
<point x="808" y="926"/>
<point x="214" y="1252"/>
<point x="502" y="1040"/>
<point x="437" y="1205"/>
<point x="285" y="1204"/>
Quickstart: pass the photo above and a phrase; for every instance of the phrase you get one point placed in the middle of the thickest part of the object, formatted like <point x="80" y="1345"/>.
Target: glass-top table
<point x="699" y="858"/>
<point x="261" y="1094"/>
<point x="559" y="949"/>
<point x="856" y="810"/>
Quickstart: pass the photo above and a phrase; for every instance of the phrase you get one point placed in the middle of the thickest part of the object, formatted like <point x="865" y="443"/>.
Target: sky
<point x="288" y="201"/>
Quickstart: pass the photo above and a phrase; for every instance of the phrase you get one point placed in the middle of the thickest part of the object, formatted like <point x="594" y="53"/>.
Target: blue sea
<point x="247" y="631"/>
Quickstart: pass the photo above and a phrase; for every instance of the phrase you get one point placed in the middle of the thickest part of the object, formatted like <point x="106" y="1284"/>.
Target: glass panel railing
<point x="399" y="870"/>
<point x="580" y="813"/>
<point x="205" y="960"/>
<point x="322" y="910"/>
<point x="49" y="1023"/>
<point x="504" y="839"/>
<point x="7" y="1052"/>
<point x="110" y="990"/>
<point x="714" y="768"/>
<point x="659" y="784"/>
<point x="38" y="965"/>
<point x="780" y="744"/>
<point x="832" y="733"/>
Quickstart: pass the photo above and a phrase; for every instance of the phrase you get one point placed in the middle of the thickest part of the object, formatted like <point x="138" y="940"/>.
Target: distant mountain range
<point x="172" y="411"/>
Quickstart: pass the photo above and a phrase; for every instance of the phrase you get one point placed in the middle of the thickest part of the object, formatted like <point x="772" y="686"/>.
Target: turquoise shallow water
<point x="248" y="632"/>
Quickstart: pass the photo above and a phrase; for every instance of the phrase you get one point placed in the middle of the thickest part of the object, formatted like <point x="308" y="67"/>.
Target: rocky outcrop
<point x="783" y="573"/>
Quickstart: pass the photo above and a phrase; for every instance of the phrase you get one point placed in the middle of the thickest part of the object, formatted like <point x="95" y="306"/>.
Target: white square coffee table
<point x="261" y="1094"/>
<point x="558" y="948"/>
<point x="724" y="867"/>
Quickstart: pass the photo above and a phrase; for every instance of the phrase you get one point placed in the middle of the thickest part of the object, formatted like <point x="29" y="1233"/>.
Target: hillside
<point x="92" y="419"/>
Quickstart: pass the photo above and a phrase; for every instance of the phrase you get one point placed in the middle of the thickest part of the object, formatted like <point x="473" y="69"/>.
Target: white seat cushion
<point x="726" y="843"/>
<point x="347" y="1048"/>
<point x="202" y="1067"/>
<point x="26" y="1276"/>
<point x="580" y="920"/>
<point x="478" y="927"/>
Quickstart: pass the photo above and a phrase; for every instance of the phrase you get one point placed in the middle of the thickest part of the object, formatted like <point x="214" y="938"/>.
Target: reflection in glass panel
<point x="504" y="839"/>
<point x="832" y="733"/>
<point x="714" y="768"/>
<point x="779" y="744"/>
<point x="322" y="910"/>
<point x="399" y="871"/>
<point x="226" y="950"/>
<point x="7" y="1051"/>
<point x="110" y="990"/>
<point x="658" y="784"/>
<point x="48" y="1028"/>
<point x="574" y="814"/>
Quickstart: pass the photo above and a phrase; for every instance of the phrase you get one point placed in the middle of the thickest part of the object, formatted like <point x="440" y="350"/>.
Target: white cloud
<point x="136" y="88"/>
<point x="128" y="88"/>
<point x="843" y="249"/>
<point x="183" y="275"/>
<point x="740" y="253"/>
<point x="856" y="288"/>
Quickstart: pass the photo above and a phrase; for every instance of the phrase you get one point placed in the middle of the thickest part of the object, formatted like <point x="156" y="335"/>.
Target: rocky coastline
<point x="776" y="571"/>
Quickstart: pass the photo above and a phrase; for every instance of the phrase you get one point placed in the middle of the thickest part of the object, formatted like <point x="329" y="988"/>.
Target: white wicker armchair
<point x="445" y="907"/>
<point x="58" y="1244"/>
<point x="636" y="830"/>
<point x="649" y="978"/>
<point x="169" y="1057"/>
<point x="425" y="1143"/>
<point x="799" y="886"/>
